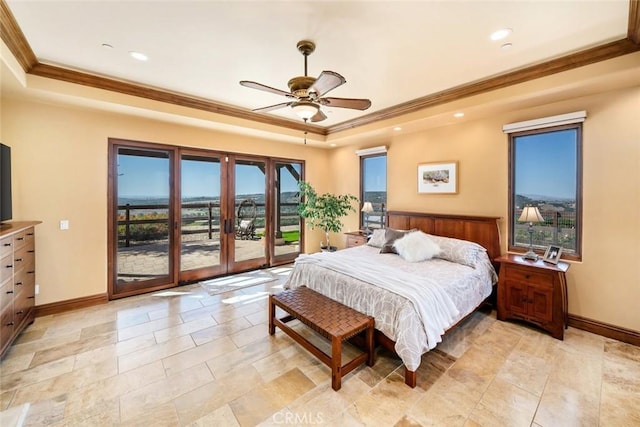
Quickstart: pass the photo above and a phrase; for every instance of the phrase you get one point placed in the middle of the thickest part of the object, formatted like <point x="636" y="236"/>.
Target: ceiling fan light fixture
<point x="304" y="109"/>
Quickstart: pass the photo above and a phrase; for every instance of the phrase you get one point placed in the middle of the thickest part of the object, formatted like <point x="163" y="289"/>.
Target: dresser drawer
<point x="6" y="294"/>
<point x="528" y="276"/>
<point x="6" y="268"/>
<point x="6" y="246"/>
<point x="20" y="239"/>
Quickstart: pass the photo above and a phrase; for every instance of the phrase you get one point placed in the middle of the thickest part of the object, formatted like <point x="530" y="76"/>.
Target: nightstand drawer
<point x="356" y="240"/>
<point x="528" y="276"/>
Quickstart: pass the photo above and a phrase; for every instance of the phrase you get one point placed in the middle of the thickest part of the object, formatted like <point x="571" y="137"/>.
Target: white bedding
<point x="396" y="313"/>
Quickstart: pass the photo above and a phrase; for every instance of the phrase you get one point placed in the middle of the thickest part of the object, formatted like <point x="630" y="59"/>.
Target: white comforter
<point x="412" y="303"/>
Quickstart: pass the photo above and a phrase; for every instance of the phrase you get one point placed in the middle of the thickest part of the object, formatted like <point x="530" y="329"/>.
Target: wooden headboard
<point x="483" y="230"/>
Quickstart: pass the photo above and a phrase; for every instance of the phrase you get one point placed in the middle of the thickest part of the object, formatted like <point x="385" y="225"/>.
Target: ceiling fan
<point x="306" y="93"/>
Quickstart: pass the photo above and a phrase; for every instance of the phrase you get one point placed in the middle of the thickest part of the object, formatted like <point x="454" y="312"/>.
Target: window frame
<point x="512" y="247"/>
<point x="363" y="158"/>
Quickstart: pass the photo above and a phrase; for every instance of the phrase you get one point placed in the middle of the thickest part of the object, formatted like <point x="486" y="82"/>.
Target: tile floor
<point x="183" y="357"/>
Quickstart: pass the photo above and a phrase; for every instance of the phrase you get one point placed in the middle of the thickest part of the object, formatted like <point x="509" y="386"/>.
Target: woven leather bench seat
<point x="329" y="318"/>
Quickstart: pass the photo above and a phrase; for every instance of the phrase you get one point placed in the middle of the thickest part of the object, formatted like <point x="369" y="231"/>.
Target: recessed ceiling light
<point x="500" y="34"/>
<point x="397" y="128"/>
<point x="458" y="115"/>
<point x="139" y="56"/>
<point x="107" y="46"/>
<point x="506" y="46"/>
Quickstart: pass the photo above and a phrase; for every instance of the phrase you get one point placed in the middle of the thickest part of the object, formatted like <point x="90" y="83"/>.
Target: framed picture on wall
<point x="552" y="255"/>
<point x="438" y="178"/>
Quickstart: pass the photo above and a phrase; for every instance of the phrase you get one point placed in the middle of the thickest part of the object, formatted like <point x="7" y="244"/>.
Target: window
<point x="545" y="171"/>
<point x="373" y="189"/>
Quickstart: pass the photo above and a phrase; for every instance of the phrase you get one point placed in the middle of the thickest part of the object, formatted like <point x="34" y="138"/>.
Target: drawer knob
<point x="20" y="238"/>
<point x="31" y="251"/>
<point x="9" y="324"/>
<point x="18" y="259"/>
<point x="31" y="297"/>
<point x="20" y="312"/>
<point x="9" y="292"/>
<point x="6" y="244"/>
<point x="527" y="276"/>
<point x="30" y="272"/>
<point x="29" y="234"/>
<point x="10" y="266"/>
<point x="19" y="284"/>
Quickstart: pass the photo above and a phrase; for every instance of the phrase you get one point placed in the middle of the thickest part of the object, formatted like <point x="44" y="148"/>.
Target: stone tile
<point x="68" y="349"/>
<point x="221" y="330"/>
<point x="222" y="416"/>
<point x="197" y="355"/>
<point x="476" y="368"/>
<point x="37" y="374"/>
<point x="446" y="403"/>
<point x="527" y="372"/>
<point x="160" y="416"/>
<point x="504" y="404"/>
<point x="93" y="397"/>
<point x="386" y="403"/>
<point x="147" y="327"/>
<point x="61" y="384"/>
<point x="565" y="406"/>
<point x="146" y="399"/>
<point x="183" y="329"/>
<point x="261" y="402"/>
<point x="208" y="398"/>
<point x="45" y="412"/>
<point x="151" y="354"/>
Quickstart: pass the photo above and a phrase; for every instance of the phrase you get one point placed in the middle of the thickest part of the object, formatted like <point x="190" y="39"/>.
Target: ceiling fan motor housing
<point x="299" y="86"/>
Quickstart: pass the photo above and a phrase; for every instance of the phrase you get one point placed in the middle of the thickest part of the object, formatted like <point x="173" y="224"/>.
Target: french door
<point x="179" y="215"/>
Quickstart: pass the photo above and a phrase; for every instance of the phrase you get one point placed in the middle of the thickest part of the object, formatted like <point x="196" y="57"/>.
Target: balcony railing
<point x="144" y="223"/>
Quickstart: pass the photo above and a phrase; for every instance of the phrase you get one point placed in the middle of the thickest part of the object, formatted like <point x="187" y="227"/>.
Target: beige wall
<point x="605" y="286"/>
<point x="61" y="168"/>
<point x="60" y="172"/>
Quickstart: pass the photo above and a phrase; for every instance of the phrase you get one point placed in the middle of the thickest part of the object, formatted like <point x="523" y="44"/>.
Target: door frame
<point x="227" y="213"/>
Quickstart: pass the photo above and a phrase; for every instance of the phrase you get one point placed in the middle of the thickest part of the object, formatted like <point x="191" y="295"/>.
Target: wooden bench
<point x="332" y="320"/>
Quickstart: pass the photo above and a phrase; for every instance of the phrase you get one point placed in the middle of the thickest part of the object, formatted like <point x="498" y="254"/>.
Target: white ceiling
<point x="389" y="51"/>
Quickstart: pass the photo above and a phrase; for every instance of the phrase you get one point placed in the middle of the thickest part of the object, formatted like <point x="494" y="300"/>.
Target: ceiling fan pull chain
<point x="305" y="133"/>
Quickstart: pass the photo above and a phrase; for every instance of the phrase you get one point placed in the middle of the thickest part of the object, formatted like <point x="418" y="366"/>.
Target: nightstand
<point x="355" y="238"/>
<point x="533" y="291"/>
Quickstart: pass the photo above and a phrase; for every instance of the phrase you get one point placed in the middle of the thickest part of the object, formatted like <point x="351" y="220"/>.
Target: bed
<point x="444" y="290"/>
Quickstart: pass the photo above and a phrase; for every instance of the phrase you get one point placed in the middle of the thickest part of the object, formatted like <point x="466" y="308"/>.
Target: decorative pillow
<point x="458" y="251"/>
<point x="391" y="235"/>
<point x="416" y="246"/>
<point x="377" y="238"/>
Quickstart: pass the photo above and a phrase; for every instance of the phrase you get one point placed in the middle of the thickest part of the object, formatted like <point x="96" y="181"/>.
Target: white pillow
<point x="377" y="239"/>
<point x="416" y="246"/>
<point x="458" y="251"/>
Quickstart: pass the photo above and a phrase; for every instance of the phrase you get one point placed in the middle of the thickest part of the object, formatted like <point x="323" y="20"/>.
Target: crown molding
<point x="15" y="40"/>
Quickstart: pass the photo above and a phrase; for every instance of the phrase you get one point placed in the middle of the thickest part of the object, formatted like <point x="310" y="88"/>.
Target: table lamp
<point x="530" y="214"/>
<point x="367" y="208"/>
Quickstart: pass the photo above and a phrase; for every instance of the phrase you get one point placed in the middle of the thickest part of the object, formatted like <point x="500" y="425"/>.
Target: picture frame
<point x="552" y="254"/>
<point x="438" y="178"/>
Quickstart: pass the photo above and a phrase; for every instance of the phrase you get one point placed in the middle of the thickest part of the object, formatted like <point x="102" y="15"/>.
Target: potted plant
<point x="324" y="211"/>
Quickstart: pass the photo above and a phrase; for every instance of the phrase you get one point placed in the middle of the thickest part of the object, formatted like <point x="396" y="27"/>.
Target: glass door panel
<point x="287" y="224"/>
<point x="200" y="242"/>
<point x="143" y="191"/>
<point x="249" y="213"/>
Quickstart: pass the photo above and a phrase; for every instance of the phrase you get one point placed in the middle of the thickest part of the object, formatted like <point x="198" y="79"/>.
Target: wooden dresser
<point x="17" y="280"/>
<point x="533" y="291"/>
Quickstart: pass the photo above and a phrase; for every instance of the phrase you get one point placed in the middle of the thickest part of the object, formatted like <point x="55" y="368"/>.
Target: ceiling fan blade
<point x="273" y="107"/>
<point x="318" y="117"/>
<point x="356" y="104"/>
<point x="326" y="81"/>
<point x="260" y="86"/>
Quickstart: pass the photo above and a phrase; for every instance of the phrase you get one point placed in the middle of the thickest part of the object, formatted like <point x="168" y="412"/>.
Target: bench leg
<point x="336" y="363"/>
<point x="370" y="346"/>
<point x="272" y="315"/>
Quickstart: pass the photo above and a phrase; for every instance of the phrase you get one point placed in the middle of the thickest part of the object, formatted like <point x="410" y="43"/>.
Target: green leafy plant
<point x="324" y="211"/>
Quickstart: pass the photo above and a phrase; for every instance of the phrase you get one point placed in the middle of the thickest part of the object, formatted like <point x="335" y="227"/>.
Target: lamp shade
<point x="367" y="207"/>
<point x="305" y="109"/>
<point x="531" y="214"/>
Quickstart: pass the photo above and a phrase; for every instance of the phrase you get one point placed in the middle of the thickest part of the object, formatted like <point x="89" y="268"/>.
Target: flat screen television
<point x="5" y="183"/>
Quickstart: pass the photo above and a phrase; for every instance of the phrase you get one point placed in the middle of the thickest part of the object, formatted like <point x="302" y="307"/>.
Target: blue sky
<point x="375" y="174"/>
<point x="546" y="164"/>
<point x="149" y="177"/>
